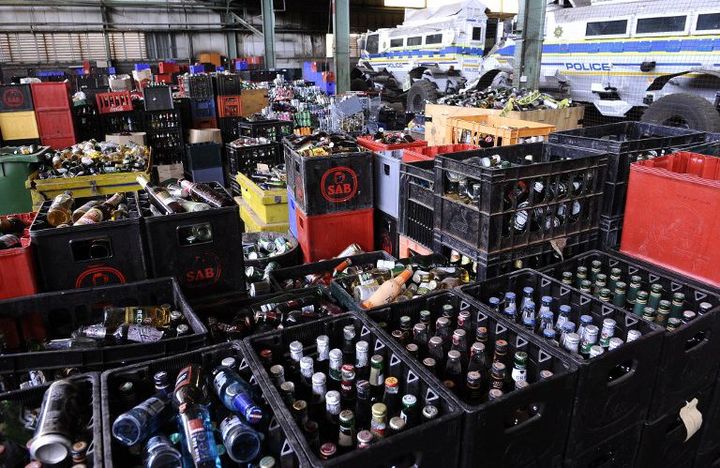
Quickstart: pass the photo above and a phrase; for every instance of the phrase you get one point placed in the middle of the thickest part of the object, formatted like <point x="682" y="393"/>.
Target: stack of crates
<point x="17" y="119"/>
<point x="17" y="265"/>
<point x="54" y="114"/>
<point x="117" y="113"/>
<point x="262" y="209"/>
<point x="504" y="211"/>
<point x="333" y="201"/>
<point x="386" y="163"/>
<point x="492" y="130"/>
<point x="626" y="143"/>
<point x="165" y="135"/>
<point x="243" y="154"/>
<point x="199" y="88"/>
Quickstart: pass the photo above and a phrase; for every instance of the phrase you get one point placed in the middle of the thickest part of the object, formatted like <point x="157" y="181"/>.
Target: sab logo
<point x="99" y="276"/>
<point x="339" y="184"/>
<point x="13" y="97"/>
<point x="204" y="270"/>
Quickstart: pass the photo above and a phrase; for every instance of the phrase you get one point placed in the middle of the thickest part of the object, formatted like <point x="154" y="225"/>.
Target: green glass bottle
<point x="640" y="303"/>
<point x="595" y="269"/>
<point x="656" y="290"/>
<point x="648" y="314"/>
<point x="663" y="312"/>
<point x="678" y="304"/>
<point x="580" y="276"/>
<point x="586" y="287"/>
<point x="619" y="296"/>
<point x="633" y="288"/>
<point x="600" y="284"/>
<point x="615" y="276"/>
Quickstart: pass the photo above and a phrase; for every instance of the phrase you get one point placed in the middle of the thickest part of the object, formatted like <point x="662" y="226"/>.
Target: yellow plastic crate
<point x="18" y="125"/>
<point x="504" y="130"/>
<point x="270" y="206"/>
<point x="85" y="186"/>
<point x="254" y="224"/>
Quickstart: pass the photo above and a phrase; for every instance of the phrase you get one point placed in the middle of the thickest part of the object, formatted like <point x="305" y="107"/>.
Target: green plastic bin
<point x="14" y="170"/>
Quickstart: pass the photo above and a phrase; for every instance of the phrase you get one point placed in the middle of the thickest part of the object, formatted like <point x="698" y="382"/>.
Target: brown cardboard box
<point x="138" y="138"/>
<point x="169" y="171"/>
<point x="253" y="101"/>
<point x="205" y="135"/>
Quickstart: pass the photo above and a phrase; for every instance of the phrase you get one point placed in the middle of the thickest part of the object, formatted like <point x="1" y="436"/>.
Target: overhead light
<point x="406" y="3"/>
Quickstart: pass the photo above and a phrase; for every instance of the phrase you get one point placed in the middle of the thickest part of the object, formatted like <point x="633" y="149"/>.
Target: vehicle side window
<point x="477" y="34"/>
<point x="606" y="28"/>
<point x="433" y="39"/>
<point x="661" y="24"/>
<point x="372" y="44"/>
<point x="708" y="22"/>
<point x="414" y="41"/>
<point x="396" y="42"/>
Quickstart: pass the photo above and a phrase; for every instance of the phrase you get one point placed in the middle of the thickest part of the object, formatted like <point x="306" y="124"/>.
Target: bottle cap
<point x="633" y="335"/>
<point x="494" y="394"/>
<point x="615" y="342"/>
<point x="596" y="350"/>
<point x="327" y="450"/>
<point x="349" y="332"/>
<point x="430" y="412"/>
<point x="361" y="346"/>
<point x="397" y="424"/>
<point x="586" y="319"/>
<point x="318" y="378"/>
<point x="379" y="410"/>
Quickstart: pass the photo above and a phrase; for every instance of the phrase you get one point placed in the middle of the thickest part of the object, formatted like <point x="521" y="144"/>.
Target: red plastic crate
<point x="51" y="96"/>
<point x="372" y="145"/>
<point x="17" y="267"/>
<point x="325" y="236"/>
<point x="163" y="78"/>
<point x="207" y="122"/>
<point x="119" y="101"/>
<point x="428" y="153"/>
<point x="229" y="106"/>
<point x="168" y="67"/>
<point x="56" y="128"/>
<point x="672" y="214"/>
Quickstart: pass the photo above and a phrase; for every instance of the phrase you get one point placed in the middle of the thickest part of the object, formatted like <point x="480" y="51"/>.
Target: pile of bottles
<point x="12" y="229"/>
<point x="92" y="157"/>
<point x="511" y="99"/>
<point x="265" y="245"/>
<point x="61" y="214"/>
<point x="243" y="142"/>
<point x="210" y="417"/>
<point x="269" y="178"/>
<point x="33" y="377"/>
<point x="277" y="312"/>
<point x="343" y="398"/>
<point x="345" y="268"/>
<point x="391" y="138"/>
<point x="183" y="197"/>
<point x="56" y="434"/>
<point x="589" y="338"/>
<point x="26" y="149"/>
<point x="392" y="282"/>
<point x="477" y="372"/>
<point x="323" y="144"/>
<point x="649" y="301"/>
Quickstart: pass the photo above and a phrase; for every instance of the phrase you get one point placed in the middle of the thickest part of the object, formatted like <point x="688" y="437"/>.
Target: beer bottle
<point x="236" y="394"/>
<point x="420" y="335"/>
<point x="159" y="451"/>
<point x="586" y="287"/>
<point x="205" y="193"/>
<point x="500" y="351"/>
<point x="348" y="349"/>
<point x="378" y="423"/>
<point x="663" y="312"/>
<point x="595" y="269"/>
<point x="60" y="210"/>
<point x="640" y="303"/>
<point x="335" y="358"/>
<point x="567" y="278"/>
<point x="199" y="437"/>
<point x="474" y="387"/>
<point x="510" y="309"/>
<point x="409" y="410"/>
<point x="497" y="375"/>
<point x="79" y="212"/>
<point x="608" y="331"/>
<point x="142" y="421"/>
<point x="396" y="425"/>
<point x="528" y="292"/>
<point x="615" y="276"/>
<point x="346" y="433"/>
<point x="588" y="339"/>
<point x="656" y="290"/>
<point x="9" y="241"/>
<point x="192" y="206"/>
<point x="101" y="212"/>
<point x="677" y="305"/>
<point x="300" y="412"/>
<point x="633" y="288"/>
<point x="619" y="296"/>
<point x="580" y="276"/>
<point x="478" y="359"/>
<point x="377" y="377"/>
<point x="160" y="198"/>
<point x="317" y="401"/>
<point x="435" y="349"/>
<point x="11" y="225"/>
<point x="459" y="344"/>
<point x="528" y="315"/>
<point x="364" y="439"/>
<point x="391" y="398"/>
<point x="306" y="372"/>
<point x="347" y="386"/>
<point x="330" y="430"/>
<point x="242" y="443"/>
<point x="519" y="370"/>
<point x="362" y="403"/>
<point x="572" y="342"/>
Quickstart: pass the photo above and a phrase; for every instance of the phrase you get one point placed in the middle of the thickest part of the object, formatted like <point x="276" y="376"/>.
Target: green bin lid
<point x="7" y="155"/>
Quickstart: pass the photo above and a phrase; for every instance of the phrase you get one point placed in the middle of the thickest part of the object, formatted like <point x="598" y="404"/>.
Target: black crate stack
<point x="165" y="135"/>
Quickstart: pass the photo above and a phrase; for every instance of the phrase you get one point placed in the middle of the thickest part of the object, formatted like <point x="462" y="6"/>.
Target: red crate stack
<point x="17" y="267"/>
<point x="326" y="235"/>
<point x="54" y="113"/>
<point x="229" y="106"/>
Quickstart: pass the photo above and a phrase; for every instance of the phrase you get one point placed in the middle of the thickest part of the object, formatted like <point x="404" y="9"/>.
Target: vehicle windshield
<point x="372" y="44"/>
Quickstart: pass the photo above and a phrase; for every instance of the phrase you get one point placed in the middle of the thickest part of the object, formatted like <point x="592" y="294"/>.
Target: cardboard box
<point x="253" y="101"/>
<point x="120" y="83"/>
<point x="169" y="171"/>
<point x="206" y="135"/>
<point x="138" y="138"/>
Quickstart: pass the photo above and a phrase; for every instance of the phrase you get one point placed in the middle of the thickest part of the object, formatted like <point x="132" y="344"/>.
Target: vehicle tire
<point x="358" y="84"/>
<point x="420" y="92"/>
<point x="683" y="110"/>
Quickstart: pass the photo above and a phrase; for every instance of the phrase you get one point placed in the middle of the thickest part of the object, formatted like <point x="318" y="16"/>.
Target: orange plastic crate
<point x="428" y="153"/>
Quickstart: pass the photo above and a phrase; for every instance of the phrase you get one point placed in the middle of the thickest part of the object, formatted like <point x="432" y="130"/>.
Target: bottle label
<point x="152" y="406"/>
<point x="95" y="331"/>
<point x="143" y="334"/>
<point x="199" y="441"/>
<point x="345" y="438"/>
<point x="377" y="428"/>
<point x="227" y="424"/>
<point x="243" y="403"/>
<point x="519" y="374"/>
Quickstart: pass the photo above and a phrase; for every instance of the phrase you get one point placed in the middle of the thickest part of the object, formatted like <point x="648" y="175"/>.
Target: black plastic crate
<point x="610" y="232"/>
<point x="682" y="370"/>
<point x="618" y="451"/>
<point x="59" y="314"/>
<point x="709" y="146"/>
<point x="227" y="84"/>
<point x="198" y="87"/>
<point x="602" y="407"/>
<point x="281" y="275"/>
<point x="87" y="123"/>
<point x="110" y="252"/>
<point x="15" y="98"/>
<point x="272" y="129"/>
<point x="625" y="142"/>
<point x="433" y="443"/>
<point x="663" y="441"/>
<point x="209" y="267"/>
<point x="158" y="98"/>
<point x="386" y="233"/>
<point x="563" y="195"/>
<point x="88" y="386"/>
<point x="92" y="80"/>
<point x="118" y="122"/>
<point x="229" y="128"/>
<point x="330" y="184"/>
<point x="141" y="374"/>
<point x="709" y="449"/>
<point x="417" y="218"/>
<point x="535" y="256"/>
<point x="487" y="438"/>
<point x="246" y="158"/>
<point x="165" y="135"/>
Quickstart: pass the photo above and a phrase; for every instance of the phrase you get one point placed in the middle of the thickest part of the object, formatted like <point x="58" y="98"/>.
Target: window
<point x="414" y="41"/>
<point x="397" y="42"/>
<point x="433" y="39"/>
<point x="477" y="34"/>
<point x="372" y="44"/>
<point x="660" y="25"/>
<point x="708" y="22"/>
<point x="606" y="28"/>
<point x="69" y="47"/>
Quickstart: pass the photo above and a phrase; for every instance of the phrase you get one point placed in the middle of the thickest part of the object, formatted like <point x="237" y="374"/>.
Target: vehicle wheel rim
<point x="676" y="121"/>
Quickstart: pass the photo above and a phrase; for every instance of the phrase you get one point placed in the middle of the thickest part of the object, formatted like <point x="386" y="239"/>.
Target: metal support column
<point x="231" y="38"/>
<point x="106" y="36"/>
<point x="530" y="31"/>
<point x="268" y="19"/>
<point x="341" y="35"/>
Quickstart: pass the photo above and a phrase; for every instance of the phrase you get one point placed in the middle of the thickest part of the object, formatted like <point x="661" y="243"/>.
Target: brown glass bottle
<point x="11" y="225"/>
<point x="60" y="210"/>
<point x="160" y="198"/>
<point x="101" y="212"/>
<point x="207" y="194"/>
<point x="78" y="213"/>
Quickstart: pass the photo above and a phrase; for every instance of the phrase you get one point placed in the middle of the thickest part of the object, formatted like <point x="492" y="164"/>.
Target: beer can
<point x="53" y="436"/>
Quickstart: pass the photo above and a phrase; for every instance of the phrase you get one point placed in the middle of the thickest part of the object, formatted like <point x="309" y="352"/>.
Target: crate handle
<point x="628" y="375"/>
<point x="701" y="344"/>
<point x="533" y="420"/>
